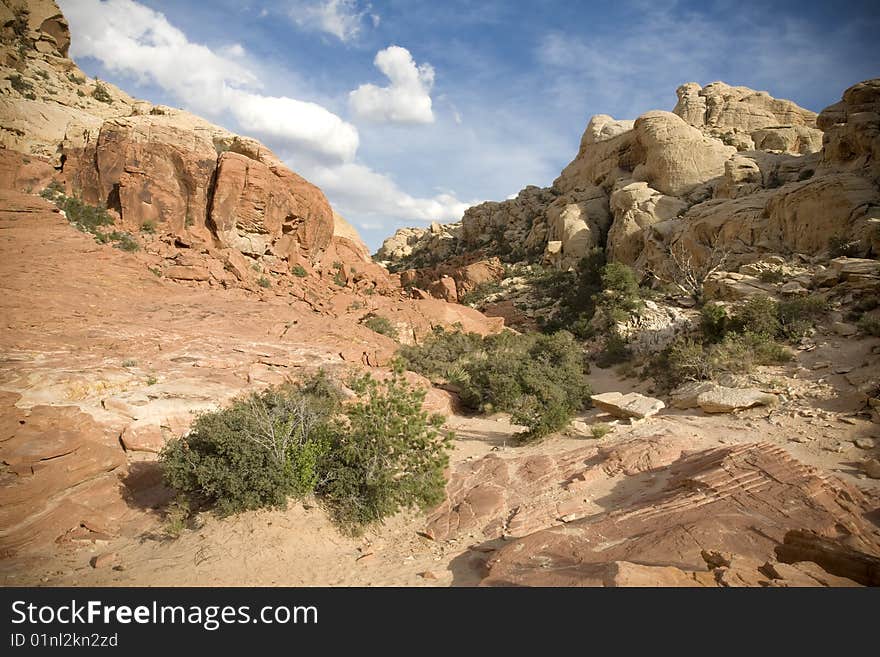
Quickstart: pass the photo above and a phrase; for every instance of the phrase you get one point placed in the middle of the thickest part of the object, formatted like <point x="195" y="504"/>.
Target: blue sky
<point x="410" y="110"/>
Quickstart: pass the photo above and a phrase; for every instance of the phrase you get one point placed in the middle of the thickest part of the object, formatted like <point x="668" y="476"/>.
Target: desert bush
<point x="258" y="451"/>
<point x="20" y="85"/>
<point x="714" y="322"/>
<point x="440" y="353"/>
<point x="299" y="270"/>
<point x="688" y="359"/>
<point x="797" y="316"/>
<point x="614" y="351"/>
<point x="539" y="379"/>
<point x="576" y="292"/>
<point x="759" y="315"/>
<point x="600" y="430"/>
<point x="262" y="281"/>
<point x="148" y="227"/>
<point x="386" y="454"/>
<point x="381" y="325"/>
<point x="685" y="360"/>
<point x="480" y="292"/>
<point x="620" y="287"/>
<point x="771" y="276"/>
<point x="364" y="459"/>
<point x="84" y="217"/>
<point x="869" y="325"/>
<point x="101" y="94"/>
<point x="866" y="303"/>
<point x="124" y="241"/>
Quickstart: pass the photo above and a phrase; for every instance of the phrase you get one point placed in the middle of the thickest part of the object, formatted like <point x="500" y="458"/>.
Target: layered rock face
<point x="715" y="517"/>
<point x="729" y="171"/>
<point x="185" y="178"/>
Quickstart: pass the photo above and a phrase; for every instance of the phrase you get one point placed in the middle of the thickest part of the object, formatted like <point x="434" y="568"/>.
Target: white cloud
<point x="129" y="38"/>
<point x="133" y="40"/>
<point x="406" y="100"/>
<point x="358" y="190"/>
<point x="340" y="18"/>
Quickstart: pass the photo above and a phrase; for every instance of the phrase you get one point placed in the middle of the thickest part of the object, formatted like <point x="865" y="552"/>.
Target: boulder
<point x="631" y="405"/>
<point x="603" y="127"/>
<point x="715" y="398"/>
<point x="635" y="207"/>
<point x="677" y="157"/>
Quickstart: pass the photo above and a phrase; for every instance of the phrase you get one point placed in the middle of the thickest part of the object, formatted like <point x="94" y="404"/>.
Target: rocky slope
<point x="224" y="209"/>
<point x="236" y="273"/>
<point x="730" y="171"/>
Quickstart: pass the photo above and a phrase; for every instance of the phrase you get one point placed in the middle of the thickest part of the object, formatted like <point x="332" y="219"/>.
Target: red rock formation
<point x="740" y="500"/>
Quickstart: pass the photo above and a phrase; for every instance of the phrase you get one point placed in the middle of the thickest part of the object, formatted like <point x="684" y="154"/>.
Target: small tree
<point x="687" y="274"/>
<point x="386" y="454"/>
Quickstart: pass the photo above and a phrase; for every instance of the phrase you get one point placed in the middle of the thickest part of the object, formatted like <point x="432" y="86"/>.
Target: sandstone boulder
<point x="636" y="206"/>
<point x="715" y="398"/>
<point x="678" y="157"/>
<point x="630" y="405"/>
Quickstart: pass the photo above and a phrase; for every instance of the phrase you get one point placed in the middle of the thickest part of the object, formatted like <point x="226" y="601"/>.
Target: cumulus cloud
<point x="360" y="191"/>
<point x="129" y="38"/>
<point x="340" y="18"/>
<point x="135" y="41"/>
<point x="407" y="99"/>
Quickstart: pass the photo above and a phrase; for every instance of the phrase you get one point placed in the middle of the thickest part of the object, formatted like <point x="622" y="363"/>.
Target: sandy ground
<point x="300" y="547"/>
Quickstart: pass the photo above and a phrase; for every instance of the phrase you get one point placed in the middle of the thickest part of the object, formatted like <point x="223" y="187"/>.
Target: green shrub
<point x="386" y="454"/>
<point x="797" y="316"/>
<point x="620" y="287"/>
<point x="737" y="353"/>
<point x="866" y="303"/>
<point x="441" y="353"/>
<point x="758" y="315"/>
<point x="381" y="325"/>
<point x="299" y="270"/>
<point x="121" y="240"/>
<point x="148" y="227"/>
<point x="20" y="85"/>
<point x="714" y="322"/>
<point x="870" y="325"/>
<point x="101" y="94"/>
<point x="257" y="452"/>
<point x="177" y="516"/>
<point x="685" y="360"/>
<point x="262" y="281"/>
<point x="614" y="352"/>
<point x="600" y="430"/>
<point x="771" y="276"/>
<point x="84" y="217"/>
<point x="539" y="379"/>
<point x="480" y="292"/>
